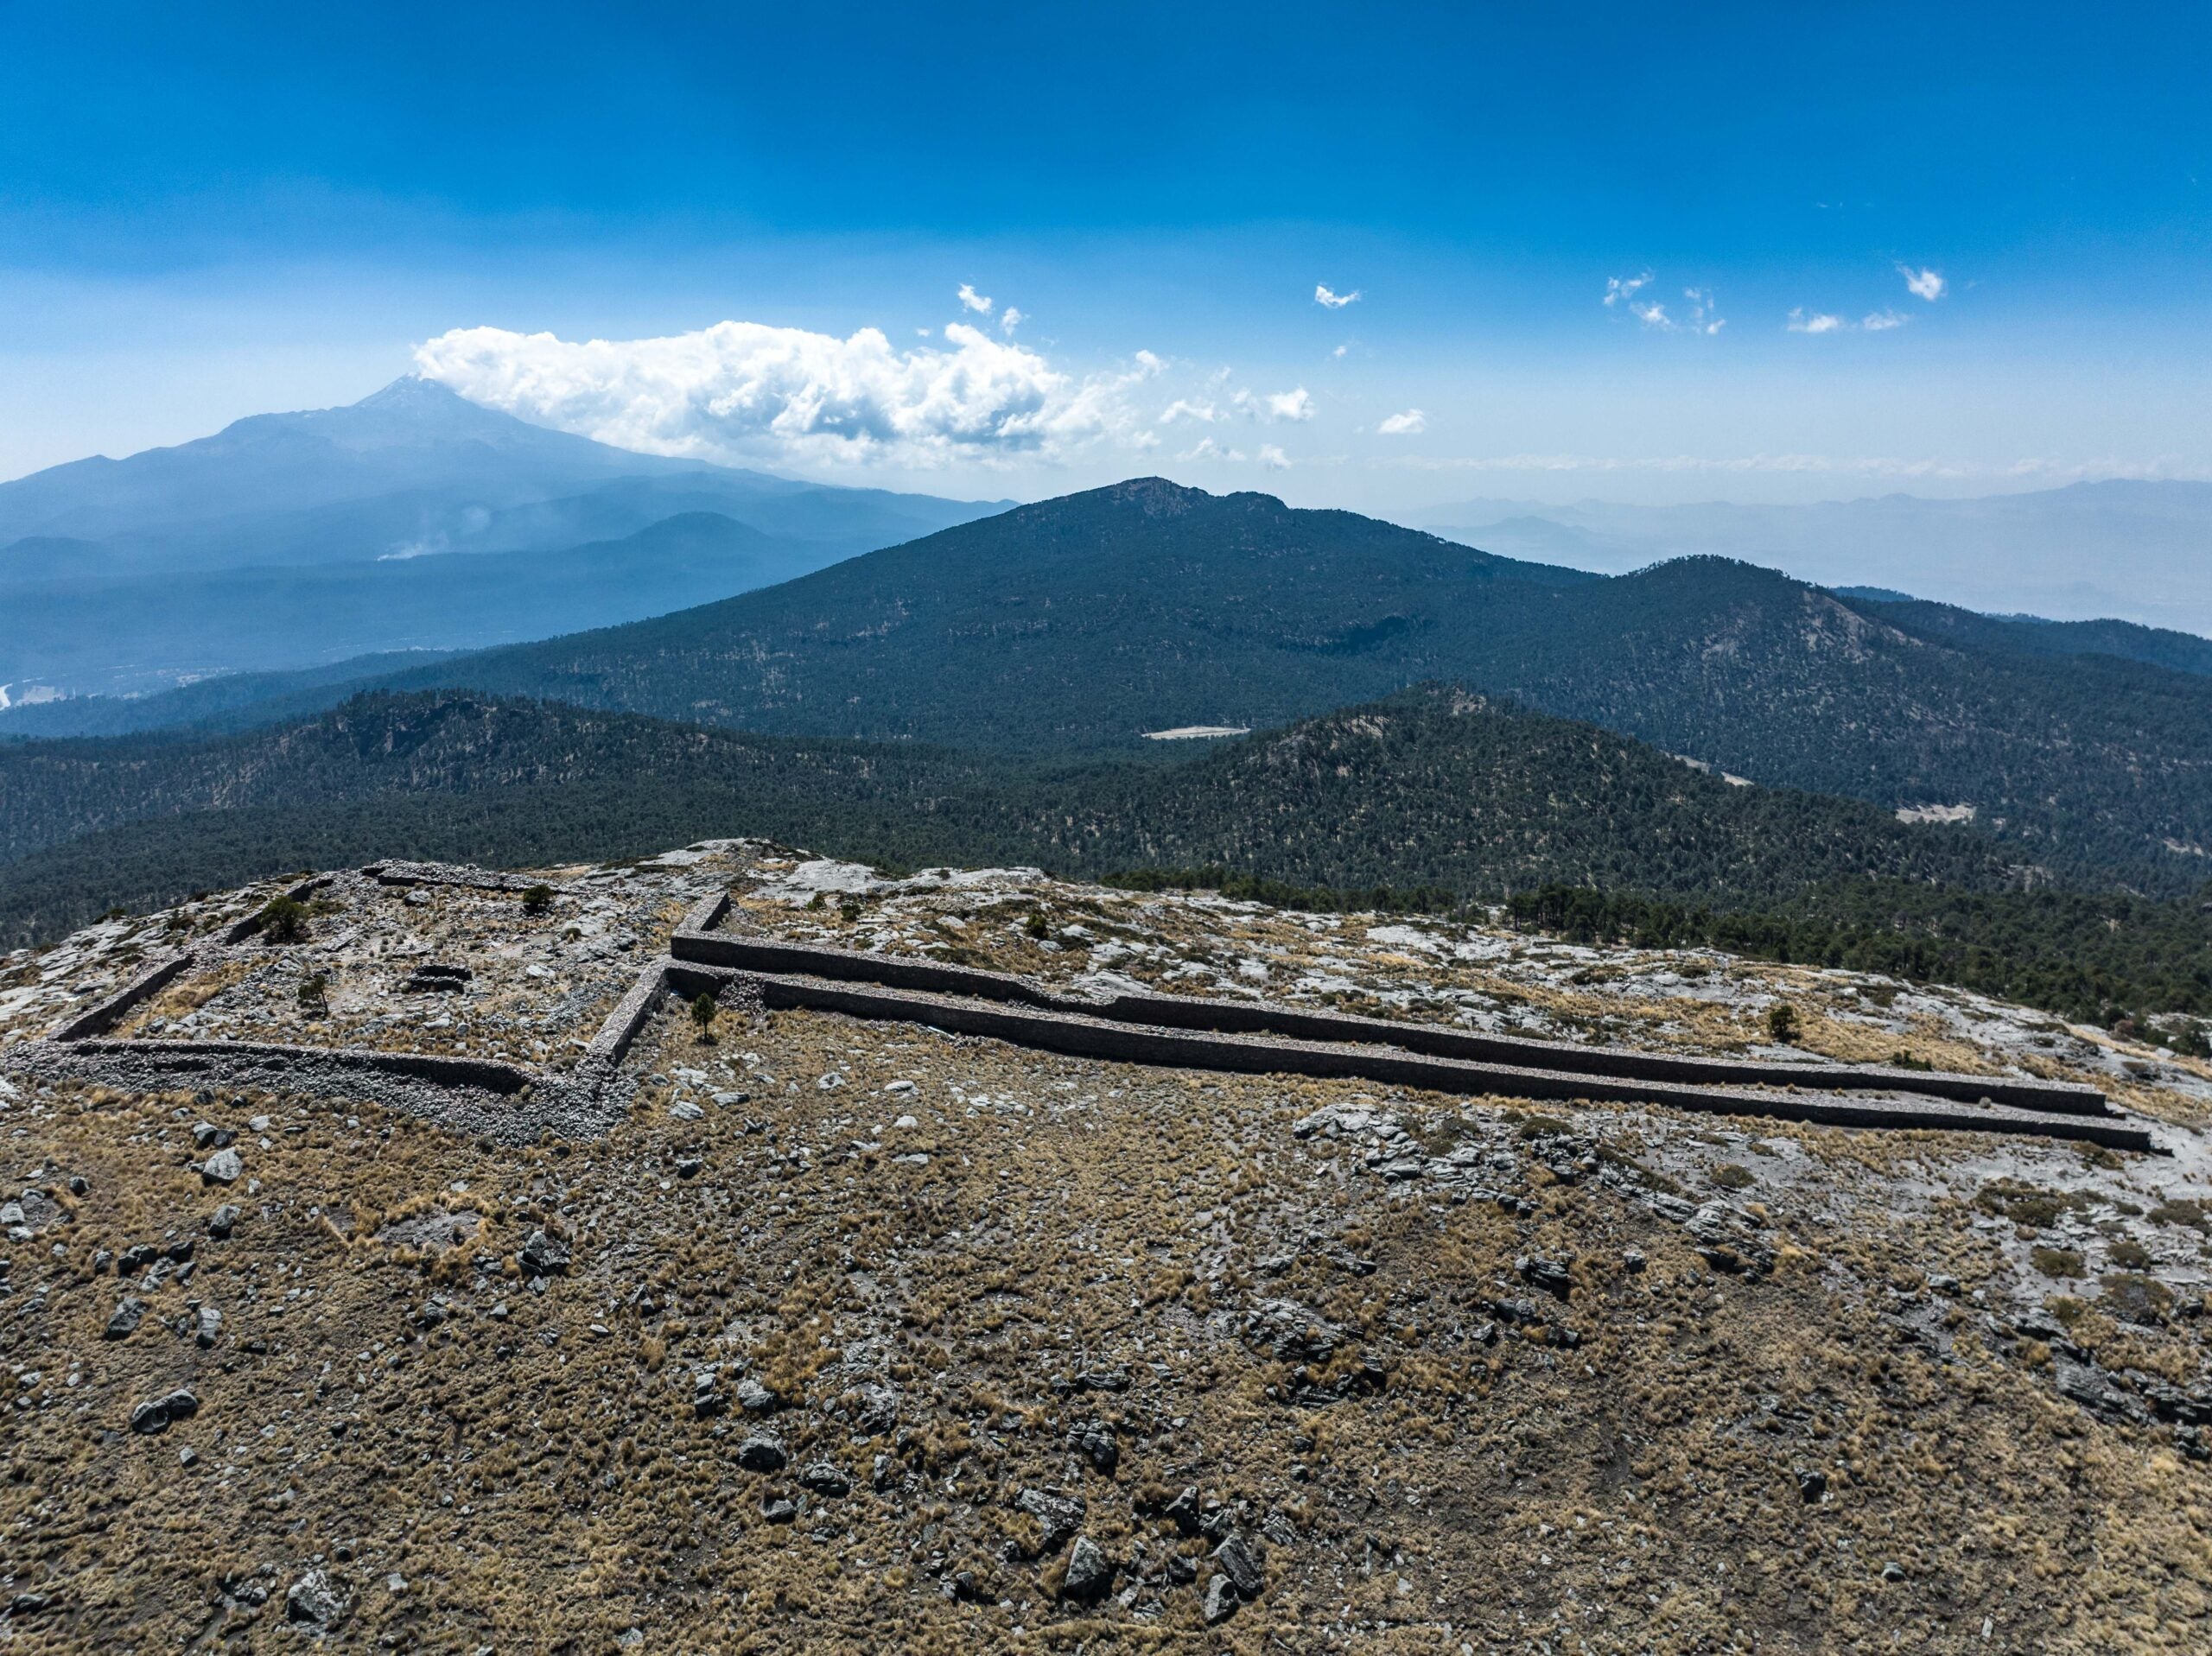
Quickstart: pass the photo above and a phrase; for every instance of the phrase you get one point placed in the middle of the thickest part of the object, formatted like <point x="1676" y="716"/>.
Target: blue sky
<point x="206" y="212"/>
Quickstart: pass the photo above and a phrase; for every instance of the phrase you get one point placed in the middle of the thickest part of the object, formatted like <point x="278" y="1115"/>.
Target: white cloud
<point x="1207" y="449"/>
<point x="1322" y="295"/>
<point x="973" y="301"/>
<point x="1703" y="315"/>
<point x="747" y="391"/>
<point x="1184" y="408"/>
<point x="1273" y="458"/>
<point x="1818" y="322"/>
<point x="1294" y="404"/>
<point x="1411" y="423"/>
<point x="1924" y="283"/>
<point x="1340" y="350"/>
<point x="1881" y="321"/>
<point x="1620" y="289"/>
<point x="1010" y="321"/>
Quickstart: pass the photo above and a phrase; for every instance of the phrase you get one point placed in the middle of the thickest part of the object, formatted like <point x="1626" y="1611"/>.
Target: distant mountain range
<point x="2138" y="551"/>
<point x="1060" y="632"/>
<point x="292" y="539"/>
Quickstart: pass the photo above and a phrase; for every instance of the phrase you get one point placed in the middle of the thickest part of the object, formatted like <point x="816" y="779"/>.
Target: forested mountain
<point x="271" y="616"/>
<point x="234" y="528"/>
<point x="2058" y="552"/>
<point x="2031" y="634"/>
<point x="1074" y="625"/>
<point x="411" y="468"/>
<point x="1433" y="788"/>
<point x="1436" y="786"/>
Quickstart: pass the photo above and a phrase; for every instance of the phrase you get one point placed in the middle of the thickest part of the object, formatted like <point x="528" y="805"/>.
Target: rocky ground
<point x="852" y="1335"/>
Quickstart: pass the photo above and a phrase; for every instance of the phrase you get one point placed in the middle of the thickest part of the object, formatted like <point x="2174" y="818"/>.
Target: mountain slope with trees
<point x="1075" y="626"/>
<point x="1433" y="788"/>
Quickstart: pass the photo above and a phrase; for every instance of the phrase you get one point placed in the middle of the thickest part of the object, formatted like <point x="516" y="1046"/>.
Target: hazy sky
<point x="1373" y="255"/>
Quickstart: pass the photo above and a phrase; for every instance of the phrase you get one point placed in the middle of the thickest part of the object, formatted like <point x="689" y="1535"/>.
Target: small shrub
<point x="2062" y="1264"/>
<point x="2130" y="1255"/>
<point x="314" y="995"/>
<point x="1543" y="1127"/>
<point x="284" y="920"/>
<point x="2026" y="1204"/>
<point x="1732" y="1176"/>
<point x="2185" y="1211"/>
<point x="2143" y="1301"/>
<point x="1782" y="1021"/>
<point x="702" y="1014"/>
<point x="1036" y="925"/>
<point x="537" y="900"/>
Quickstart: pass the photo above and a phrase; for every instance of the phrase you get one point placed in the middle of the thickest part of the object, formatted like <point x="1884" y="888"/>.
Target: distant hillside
<point x="269" y="617"/>
<point x="1073" y="625"/>
<point x="1440" y="787"/>
<point x="1433" y="788"/>
<point x="1069" y="628"/>
<point x="2140" y="550"/>
<point x="90" y="552"/>
<point x="412" y="467"/>
<point x="2031" y="634"/>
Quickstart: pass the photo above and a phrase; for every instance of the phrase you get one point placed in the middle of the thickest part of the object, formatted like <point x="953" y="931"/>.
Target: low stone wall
<point x="396" y="873"/>
<point x="240" y="1058"/>
<point x="697" y="943"/>
<point x="103" y="1016"/>
<point x="1251" y="1038"/>
<point x="628" y="1017"/>
<point x="1095" y="1037"/>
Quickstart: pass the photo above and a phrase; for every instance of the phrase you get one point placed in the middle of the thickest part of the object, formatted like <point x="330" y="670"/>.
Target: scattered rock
<point x="220" y="1222"/>
<point x="825" y="1478"/>
<point x="1058" y="1516"/>
<point x="314" y="1600"/>
<point x="226" y="1166"/>
<point x="1090" y="1574"/>
<point x="761" y="1453"/>
<point x="1095" y="1441"/>
<point x="543" y="1256"/>
<point x="1552" y="1276"/>
<point x="162" y="1412"/>
<point x="208" y="1327"/>
<point x="1183" y="1511"/>
<point x="1220" y="1601"/>
<point x="1239" y="1561"/>
<point x="706" y="1399"/>
<point x="123" y="1319"/>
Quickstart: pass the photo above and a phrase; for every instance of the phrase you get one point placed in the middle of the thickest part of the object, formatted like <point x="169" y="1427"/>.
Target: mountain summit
<point x="93" y="552"/>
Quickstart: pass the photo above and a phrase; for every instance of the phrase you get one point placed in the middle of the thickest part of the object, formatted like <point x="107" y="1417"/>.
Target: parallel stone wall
<point x="698" y="944"/>
<point x="1095" y="1037"/>
<point x="1180" y="1032"/>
